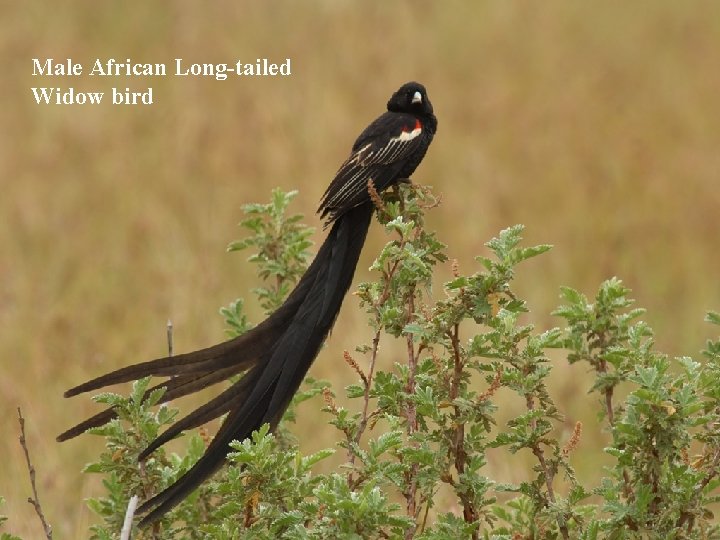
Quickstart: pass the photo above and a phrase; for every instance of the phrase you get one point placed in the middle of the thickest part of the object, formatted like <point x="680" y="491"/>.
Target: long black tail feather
<point x="214" y="408"/>
<point x="275" y="356"/>
<point x="265" y="391"/>
<point x="175" y="387"/>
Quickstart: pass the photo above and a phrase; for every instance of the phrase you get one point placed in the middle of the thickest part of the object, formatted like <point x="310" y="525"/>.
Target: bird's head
<point x="410" y="98"/>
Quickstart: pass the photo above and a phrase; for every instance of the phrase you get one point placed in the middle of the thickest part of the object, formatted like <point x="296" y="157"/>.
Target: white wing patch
<point x="393" y="149"/>
<point x="409" y="135"/>
<point x="356" y="169"/>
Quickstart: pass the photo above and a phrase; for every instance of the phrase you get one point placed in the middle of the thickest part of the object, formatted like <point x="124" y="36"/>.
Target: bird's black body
<point x="276" y="354"/>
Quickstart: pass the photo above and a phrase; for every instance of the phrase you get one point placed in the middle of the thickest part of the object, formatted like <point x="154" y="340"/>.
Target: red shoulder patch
<point x="418" y="125"/>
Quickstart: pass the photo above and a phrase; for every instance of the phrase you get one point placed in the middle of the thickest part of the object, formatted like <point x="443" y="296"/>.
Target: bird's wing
<point x="379" y="154"/>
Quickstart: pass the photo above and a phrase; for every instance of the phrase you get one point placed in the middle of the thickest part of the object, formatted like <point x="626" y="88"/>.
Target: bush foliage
<point x="415" y="440"/>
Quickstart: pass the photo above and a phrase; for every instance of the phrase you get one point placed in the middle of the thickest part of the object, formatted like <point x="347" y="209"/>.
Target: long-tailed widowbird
<point x="276" y="354"/>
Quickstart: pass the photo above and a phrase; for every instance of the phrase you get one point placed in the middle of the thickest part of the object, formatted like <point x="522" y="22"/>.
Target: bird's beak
<point x="417" y="98"/>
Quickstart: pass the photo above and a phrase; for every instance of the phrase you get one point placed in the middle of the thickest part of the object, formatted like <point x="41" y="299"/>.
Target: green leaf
<point x="713" y="317"/>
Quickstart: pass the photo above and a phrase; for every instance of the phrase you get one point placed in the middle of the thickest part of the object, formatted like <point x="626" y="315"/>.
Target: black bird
<point x="276" y="354"/>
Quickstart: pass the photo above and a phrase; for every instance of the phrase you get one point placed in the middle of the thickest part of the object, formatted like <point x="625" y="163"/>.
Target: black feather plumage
<point x="276" y="354"/>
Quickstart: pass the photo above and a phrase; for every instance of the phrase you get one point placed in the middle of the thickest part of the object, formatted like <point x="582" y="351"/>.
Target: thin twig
<point x="170" y="337"/>
<point x="469" y="511"/>
<point x="412" y="423"/>
<point x="548" y="471"/>
<point x="129" y="515"/>
<point x="712" y="473"/>
<point x="368" y="385"/>
<point x="34" y="500"/>
<point x="387" y="277"/>
<point x="367" y="382"/>
<point x="602" y="367"/>
<point x="147" y="488"/>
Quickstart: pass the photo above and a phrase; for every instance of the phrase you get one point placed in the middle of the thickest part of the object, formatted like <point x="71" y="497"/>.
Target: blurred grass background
<point x="596" y="125"/>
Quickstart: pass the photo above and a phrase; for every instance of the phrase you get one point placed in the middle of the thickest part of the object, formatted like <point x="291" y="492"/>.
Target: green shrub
<point x="423" y="428"/>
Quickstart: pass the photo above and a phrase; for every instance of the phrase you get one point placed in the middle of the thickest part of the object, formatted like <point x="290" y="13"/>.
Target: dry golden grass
<point x="596" y="127"/>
